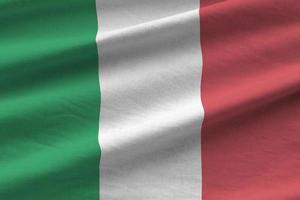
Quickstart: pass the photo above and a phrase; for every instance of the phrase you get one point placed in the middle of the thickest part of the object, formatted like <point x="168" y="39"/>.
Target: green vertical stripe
<point x="49" y="100"/>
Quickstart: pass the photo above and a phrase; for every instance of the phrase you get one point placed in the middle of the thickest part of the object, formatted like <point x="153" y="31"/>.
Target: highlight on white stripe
<point x="150" y="68"/>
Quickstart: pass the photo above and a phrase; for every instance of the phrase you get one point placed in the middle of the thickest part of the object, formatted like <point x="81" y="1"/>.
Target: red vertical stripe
<point x="250" y="93"/>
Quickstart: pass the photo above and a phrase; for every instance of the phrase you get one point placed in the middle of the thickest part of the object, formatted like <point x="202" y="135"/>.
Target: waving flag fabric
<point x="143" y="100"/>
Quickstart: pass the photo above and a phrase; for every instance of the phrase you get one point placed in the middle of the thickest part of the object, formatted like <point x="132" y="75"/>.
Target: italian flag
<point x="150" y="100"/>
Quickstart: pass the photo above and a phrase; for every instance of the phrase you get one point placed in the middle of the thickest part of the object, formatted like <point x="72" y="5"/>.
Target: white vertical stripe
<point x="151" y="112"/>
